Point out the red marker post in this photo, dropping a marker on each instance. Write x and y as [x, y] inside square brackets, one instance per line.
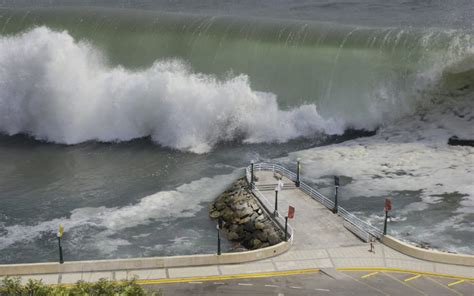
[291, 215]
[388, 207]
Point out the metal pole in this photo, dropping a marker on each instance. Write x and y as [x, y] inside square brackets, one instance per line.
[218, 241]
[286, 228]
[336, 184]
[297, 183]
[251, 174]
[61, 260]
[275, 213]
[335, 201]
[385, 223]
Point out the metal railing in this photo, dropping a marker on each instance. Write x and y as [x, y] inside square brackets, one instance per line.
[268, 206]
[362, 225]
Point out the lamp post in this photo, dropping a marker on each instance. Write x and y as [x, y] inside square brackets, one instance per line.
[275, 212]
[336, 183]
[60, 235]
[251, 173]
[219, 227]
[388, 207]
[298, 167]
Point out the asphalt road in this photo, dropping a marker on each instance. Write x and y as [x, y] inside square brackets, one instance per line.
[347, 283]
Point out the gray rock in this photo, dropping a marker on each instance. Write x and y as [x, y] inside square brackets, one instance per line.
[255, 243]
[244, 212]
[254, 205]
[220, 205]
[244, 220]
[240, 206]
[259, 225]
[261, 235]
[227, 214]
[232, 236]
[273, 238]
[215, 214]
[249, 226]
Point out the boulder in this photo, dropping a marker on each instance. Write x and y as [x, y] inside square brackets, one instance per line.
[232, 236]
[244, 220]
[255, 243]
[259, 225]
[227, 214]
[261, 235]
[244, 212]
[215, 214]
[273, 238]
[240, 206]
[220, 205]
[249, 226]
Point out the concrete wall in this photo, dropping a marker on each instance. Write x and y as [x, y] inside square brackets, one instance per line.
[143, 263]
[429, 255]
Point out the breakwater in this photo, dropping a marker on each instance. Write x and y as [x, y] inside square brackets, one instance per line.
[244, 220]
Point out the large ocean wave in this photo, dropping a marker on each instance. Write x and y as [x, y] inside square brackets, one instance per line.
[56, 89]
[69, 77]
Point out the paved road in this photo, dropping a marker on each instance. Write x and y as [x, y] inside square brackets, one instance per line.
[318, 283]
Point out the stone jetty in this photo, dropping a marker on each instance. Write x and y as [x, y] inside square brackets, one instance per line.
[245, 222]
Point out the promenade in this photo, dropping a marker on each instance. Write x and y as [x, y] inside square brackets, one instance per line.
[321, 242]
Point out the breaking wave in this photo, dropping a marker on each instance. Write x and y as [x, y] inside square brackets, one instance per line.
[59, 90]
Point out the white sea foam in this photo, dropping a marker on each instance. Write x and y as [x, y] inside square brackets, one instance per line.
[185, 201]
[61, 90]
[410, 155]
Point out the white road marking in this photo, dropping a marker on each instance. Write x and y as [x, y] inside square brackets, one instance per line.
[296, 287]
[217, 283]
[325, 290]
[194, 282]
[272, 286]
[240, 284]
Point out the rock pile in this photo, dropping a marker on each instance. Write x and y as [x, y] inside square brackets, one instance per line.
[244, 221]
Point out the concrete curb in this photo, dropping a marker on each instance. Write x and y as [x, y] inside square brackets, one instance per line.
[144, 263]
[429, 255]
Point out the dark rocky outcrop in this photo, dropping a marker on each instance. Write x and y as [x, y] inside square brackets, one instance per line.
[455, 141]
[244, 220]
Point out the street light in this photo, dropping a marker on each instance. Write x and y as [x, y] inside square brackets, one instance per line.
[336, 183]
[387, 208]
[219, 227]
[251, 173]
[298, 167]
[60, 235]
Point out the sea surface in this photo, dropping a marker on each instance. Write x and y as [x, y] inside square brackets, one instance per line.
[122, 120]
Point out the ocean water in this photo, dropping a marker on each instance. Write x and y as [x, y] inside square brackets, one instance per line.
[123, 120]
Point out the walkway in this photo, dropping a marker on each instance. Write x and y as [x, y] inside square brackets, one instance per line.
[321, 240]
